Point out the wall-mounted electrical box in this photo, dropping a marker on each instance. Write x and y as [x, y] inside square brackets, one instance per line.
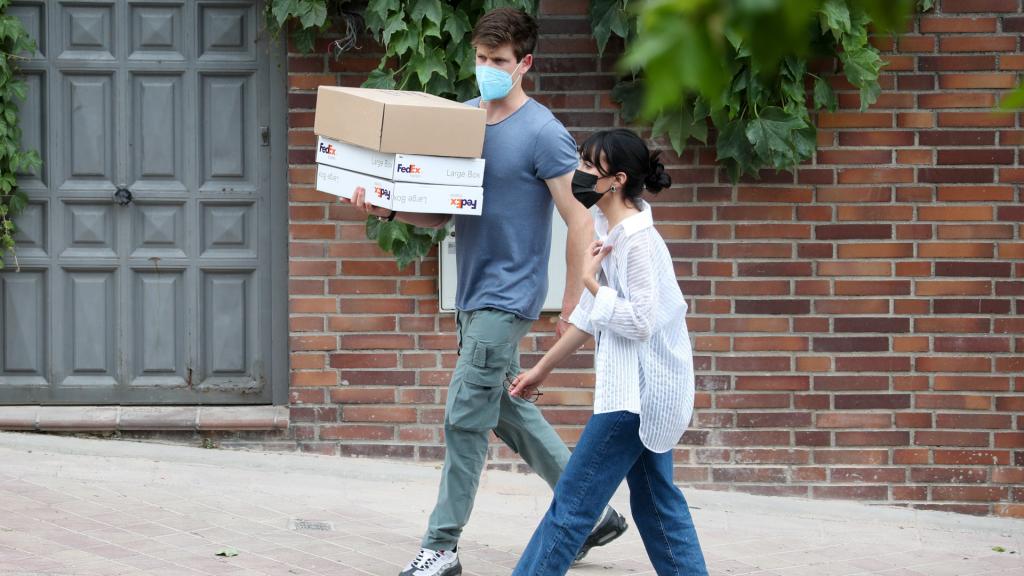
[448, 280]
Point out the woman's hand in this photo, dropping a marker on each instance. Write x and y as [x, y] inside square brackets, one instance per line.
[526, 384]
[596, 254]
[359, 201]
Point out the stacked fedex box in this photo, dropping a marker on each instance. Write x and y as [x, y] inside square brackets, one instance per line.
[410, 151]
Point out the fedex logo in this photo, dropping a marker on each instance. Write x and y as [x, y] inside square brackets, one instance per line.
[410, 169]
[328, 149]
[464, 203]
[382, 192]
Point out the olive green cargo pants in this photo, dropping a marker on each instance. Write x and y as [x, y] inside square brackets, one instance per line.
[477, 404]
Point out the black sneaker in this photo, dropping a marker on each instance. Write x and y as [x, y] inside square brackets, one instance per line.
[434, 563]
[609, 527]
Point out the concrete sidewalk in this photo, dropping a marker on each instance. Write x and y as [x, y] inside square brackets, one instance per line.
[71, 506]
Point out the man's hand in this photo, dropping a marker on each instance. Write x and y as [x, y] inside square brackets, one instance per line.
[358, 200]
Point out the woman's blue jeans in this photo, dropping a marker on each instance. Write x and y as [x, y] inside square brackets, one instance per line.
[608, 451]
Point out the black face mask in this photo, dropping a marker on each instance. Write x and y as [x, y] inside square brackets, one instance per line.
[584, 188]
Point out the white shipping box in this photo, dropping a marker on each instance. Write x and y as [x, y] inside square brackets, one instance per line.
[401, 196]
[379, 191]
[401, 167]
[435, 199]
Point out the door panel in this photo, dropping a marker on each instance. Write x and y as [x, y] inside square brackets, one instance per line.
[145, 252]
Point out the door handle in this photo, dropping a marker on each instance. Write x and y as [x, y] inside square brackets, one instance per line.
[123, 197]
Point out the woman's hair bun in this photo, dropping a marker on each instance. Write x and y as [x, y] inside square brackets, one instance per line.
[657, 179]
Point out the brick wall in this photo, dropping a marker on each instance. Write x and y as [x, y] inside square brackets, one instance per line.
[857, 325]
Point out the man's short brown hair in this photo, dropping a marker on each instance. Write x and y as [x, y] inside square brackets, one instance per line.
[503, 26]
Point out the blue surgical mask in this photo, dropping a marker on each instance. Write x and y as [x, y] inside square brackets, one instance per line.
[494, 83]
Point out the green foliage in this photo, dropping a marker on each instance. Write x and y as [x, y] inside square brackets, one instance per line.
[746, 64]
[15, 43]
[743, 64]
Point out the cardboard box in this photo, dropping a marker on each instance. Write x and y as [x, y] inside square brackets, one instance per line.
[400, 122]
[401, 167]
[379, 191]
[434, 199]
[401, 196]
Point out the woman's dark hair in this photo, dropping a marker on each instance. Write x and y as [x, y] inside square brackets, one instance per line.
[621, 150]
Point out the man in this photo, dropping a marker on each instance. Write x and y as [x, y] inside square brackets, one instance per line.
[502, 271]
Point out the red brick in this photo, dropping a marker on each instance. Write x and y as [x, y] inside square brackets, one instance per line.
[975, 119]
[851, 382]
[855, 120]
[969, 6]
[850, 420]
[744, 401]
[865, 457]
[969, 493]
[945, 439]
[949, 475]
[972, 457]
[388, 414]
[952, 287]
[978, 43]
[939, 63]
[872, 288]
[872, 438]
[972, 383]
[772, 382]
[973, 421]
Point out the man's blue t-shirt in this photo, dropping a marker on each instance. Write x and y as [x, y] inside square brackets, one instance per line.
[502, 255]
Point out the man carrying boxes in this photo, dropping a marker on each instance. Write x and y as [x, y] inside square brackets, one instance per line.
[504, 238]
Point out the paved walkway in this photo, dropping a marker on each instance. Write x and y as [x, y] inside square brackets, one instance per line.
[71, 506]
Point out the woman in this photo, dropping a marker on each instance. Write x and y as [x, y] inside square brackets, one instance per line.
[643, 398]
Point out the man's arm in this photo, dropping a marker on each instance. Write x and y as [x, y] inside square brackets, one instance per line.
[422, 220]
[581, 233]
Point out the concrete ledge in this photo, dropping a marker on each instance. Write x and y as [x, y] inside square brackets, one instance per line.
[101, 418]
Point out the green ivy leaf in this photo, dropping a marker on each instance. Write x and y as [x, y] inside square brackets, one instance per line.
[824, 96]
[630, 96]
[381, 79]
[391, 232]
[406, 41]
[431, 9]
[18, 202]
[773, 138]
[394, 24]
[304, 39]
[607, 17]
[432, 28]
[427, 63]
[861, 67]
[835, 18]
[679, 126]
[315, 14]
[734, 148]
[377, 12]
[1013, 100]
[457, 25]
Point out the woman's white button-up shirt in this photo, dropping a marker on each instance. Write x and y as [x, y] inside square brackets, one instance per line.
[644, 361]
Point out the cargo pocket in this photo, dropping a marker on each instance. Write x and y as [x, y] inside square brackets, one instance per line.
[474, 402]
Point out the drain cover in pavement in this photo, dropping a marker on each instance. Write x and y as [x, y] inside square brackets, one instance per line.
[299, 524]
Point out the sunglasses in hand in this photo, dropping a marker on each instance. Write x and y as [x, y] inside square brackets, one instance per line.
[532, 397]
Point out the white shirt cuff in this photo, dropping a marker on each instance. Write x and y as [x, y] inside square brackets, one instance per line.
[580, 316]
[604, 306]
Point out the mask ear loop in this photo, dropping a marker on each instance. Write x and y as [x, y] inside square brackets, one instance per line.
[516, 69]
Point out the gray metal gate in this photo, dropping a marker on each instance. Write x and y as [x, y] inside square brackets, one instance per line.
[149, 251]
